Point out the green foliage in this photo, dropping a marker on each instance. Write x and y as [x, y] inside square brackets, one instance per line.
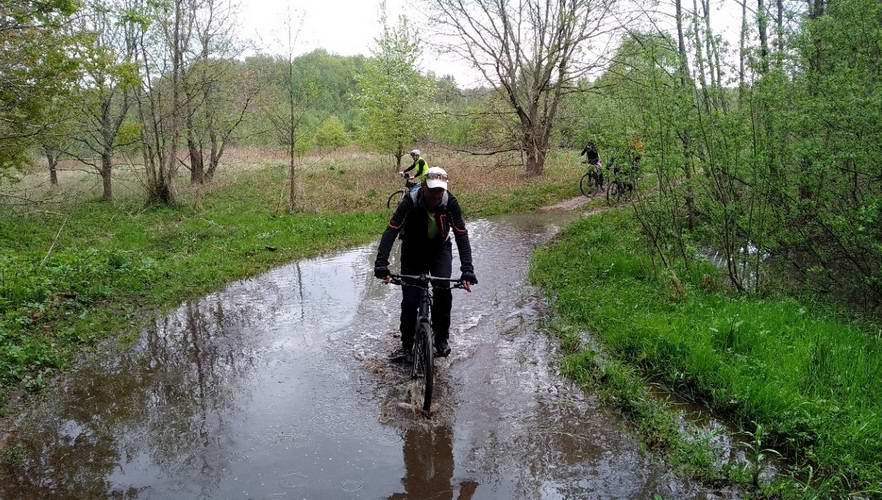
[393, 95]
[804, 374]
[334, 95]
[471, 118]
[331, 133]
[782, 163]
[35, 68]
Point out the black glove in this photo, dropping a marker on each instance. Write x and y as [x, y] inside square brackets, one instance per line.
[469, 276]
[381, 272]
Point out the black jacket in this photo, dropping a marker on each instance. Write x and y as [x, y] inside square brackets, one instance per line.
[411, 219]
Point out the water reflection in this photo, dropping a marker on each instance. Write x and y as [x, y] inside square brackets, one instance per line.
[165, 399]
[428, 464]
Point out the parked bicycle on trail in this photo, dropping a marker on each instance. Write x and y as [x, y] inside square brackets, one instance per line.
[624, 181]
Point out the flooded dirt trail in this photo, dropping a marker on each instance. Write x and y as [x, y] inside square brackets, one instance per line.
[278, 387]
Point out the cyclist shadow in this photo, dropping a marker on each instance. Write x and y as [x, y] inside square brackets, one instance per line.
[428, 462]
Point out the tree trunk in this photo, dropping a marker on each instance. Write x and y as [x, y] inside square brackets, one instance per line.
[197, 174]
[699, 58]
[780, 23]
[685, 140]
[398, 154]
[216, 152]
[52, 160]
[53, 174]
[742, 54]
[535, 153]
[292, 193]
[164, 191]
[212, 168]
[762, 23]
[106, 170]
[681, 45]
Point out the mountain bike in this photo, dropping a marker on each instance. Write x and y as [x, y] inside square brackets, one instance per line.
[592, 181]
[622, 185]
[397, 196]
[423, 366]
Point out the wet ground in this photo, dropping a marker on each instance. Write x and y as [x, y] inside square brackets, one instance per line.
[278, 387]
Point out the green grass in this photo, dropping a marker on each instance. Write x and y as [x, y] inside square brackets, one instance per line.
[524, 199]
[807, 376]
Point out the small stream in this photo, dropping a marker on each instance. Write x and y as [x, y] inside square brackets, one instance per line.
[278, 387]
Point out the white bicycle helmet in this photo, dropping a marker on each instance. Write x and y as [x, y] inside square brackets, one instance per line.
[415, 152]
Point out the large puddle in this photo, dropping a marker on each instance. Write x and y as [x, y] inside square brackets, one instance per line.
[278, 387]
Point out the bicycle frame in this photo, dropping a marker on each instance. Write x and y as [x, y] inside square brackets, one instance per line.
[409, 183]
[422, 282]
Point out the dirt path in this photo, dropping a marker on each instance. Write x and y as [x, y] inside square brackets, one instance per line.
[278, 387]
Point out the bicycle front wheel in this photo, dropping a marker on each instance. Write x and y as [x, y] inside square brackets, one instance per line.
[394, 198]
[586, 185]
[612, 193]
[428, 361]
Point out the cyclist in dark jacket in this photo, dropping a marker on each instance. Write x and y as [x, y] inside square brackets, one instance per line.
[590, 153]
[425, 218]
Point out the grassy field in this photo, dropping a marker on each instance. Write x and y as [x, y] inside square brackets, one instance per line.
[346, 180]
[112, 261]
[799, 373]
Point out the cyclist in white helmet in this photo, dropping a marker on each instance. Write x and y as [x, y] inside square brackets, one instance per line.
[425, 220]
[419, 166]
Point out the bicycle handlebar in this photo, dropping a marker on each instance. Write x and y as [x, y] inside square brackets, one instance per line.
[423, 280]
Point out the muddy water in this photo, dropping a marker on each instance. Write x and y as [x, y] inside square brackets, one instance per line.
[278, 387]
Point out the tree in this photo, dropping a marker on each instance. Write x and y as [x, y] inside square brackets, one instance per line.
[105, 94]
[163, 44]
[331, 133]
[219, 91]
[57, 137]
[35, 67]
[530, 51]
[394, 96]
[297, 96]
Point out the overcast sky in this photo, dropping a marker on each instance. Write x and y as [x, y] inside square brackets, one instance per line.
[349, 27]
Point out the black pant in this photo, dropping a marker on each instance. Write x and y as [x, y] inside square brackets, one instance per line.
[437, 262]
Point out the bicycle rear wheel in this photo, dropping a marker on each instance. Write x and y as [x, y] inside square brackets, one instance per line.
[396, 196]
[423, 364]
